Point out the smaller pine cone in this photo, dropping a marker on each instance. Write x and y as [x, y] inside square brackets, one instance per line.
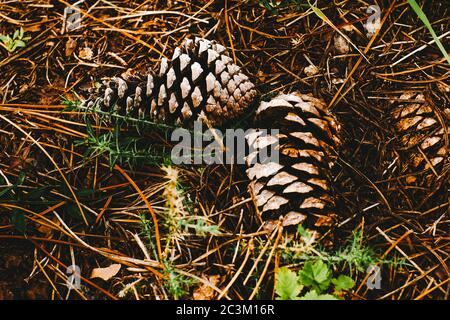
[422, 134]
[200, 81]
[298, 189]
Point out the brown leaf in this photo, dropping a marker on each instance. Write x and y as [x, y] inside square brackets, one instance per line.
[411, 179]
[106, 273]
[71, 44]
[205, 292]
[45, 228]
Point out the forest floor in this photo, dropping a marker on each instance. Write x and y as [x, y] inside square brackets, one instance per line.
[75, 190]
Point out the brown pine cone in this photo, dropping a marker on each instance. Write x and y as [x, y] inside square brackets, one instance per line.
[298, 188]
[423, 136]
[201, 80]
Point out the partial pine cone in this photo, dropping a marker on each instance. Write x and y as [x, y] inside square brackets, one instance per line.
[298, 188]
[201, 80]
[423, 133]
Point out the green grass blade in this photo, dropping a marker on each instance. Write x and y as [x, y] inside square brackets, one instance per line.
[427, 23]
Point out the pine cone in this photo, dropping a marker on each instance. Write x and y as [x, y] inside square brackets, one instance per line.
[422, 137]
[298, 188]
[201, 80]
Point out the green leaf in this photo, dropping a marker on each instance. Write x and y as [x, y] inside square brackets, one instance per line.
[16, 34]
[268, 6]
[301, 231]
[286, 285]
[321, 271]
[313, 295]
[317, 275]
[343, 282]
[19, 44]
[305, 234]
[10, 46]
[19, 221]
[427, 23]
[306, 274]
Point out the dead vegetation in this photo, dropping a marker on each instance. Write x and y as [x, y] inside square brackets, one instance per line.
[77, 190]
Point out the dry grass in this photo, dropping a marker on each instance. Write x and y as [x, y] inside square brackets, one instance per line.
[192, 231]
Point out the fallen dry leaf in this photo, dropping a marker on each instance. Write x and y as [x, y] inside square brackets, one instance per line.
[46, 228]
[106, 273]
[71, 44]
[205, 292]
